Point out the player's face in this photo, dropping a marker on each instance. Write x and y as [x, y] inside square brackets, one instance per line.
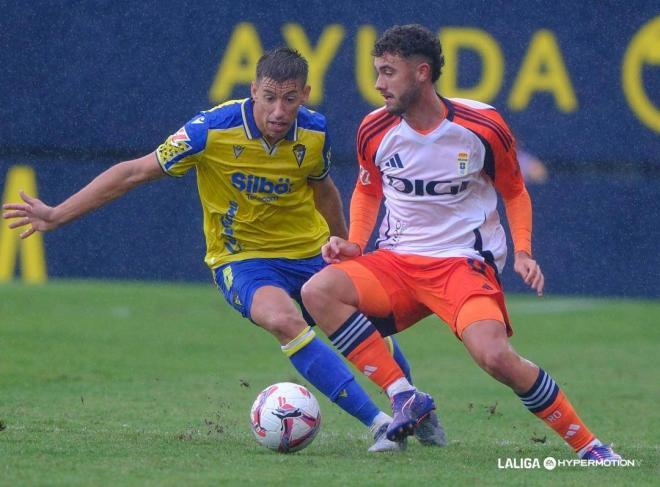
[397, 82]
[276, 105]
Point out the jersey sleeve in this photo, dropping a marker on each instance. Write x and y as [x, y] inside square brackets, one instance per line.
[510, 184]
[364, 214]
[183, 149]
[368, 193]
[323, 166]
[504, 168]
[369, 180]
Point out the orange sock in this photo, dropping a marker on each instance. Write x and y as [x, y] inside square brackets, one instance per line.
[549, 403]
[372, 357]
[359, 341]
[562, 418]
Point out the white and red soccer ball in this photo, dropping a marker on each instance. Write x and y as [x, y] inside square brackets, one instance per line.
[285, 417]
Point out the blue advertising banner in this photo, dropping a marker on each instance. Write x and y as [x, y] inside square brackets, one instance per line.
[592, 236]
[577, 81]
[87, 83]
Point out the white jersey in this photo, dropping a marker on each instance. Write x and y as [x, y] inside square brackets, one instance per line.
[439, 187]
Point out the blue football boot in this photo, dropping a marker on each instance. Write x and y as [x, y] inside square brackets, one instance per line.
[409, 409]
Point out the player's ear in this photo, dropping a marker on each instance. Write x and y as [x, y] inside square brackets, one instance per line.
[423, 72]
[305, 93]
[253, 89]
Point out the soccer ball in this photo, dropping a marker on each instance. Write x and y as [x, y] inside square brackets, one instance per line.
[285, 417]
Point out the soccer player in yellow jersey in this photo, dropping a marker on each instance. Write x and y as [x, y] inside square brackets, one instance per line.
[269, 205]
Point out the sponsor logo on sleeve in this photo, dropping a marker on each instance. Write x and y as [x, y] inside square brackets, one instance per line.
[364, 177]
[180, 138]
[174, 147]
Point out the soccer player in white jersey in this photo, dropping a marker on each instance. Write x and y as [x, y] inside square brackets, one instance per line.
[438, 165]
[269, 204]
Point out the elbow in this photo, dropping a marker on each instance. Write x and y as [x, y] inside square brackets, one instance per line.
[134, 173]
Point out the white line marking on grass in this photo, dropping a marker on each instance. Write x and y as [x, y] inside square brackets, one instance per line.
[121, 312]
[556, 306]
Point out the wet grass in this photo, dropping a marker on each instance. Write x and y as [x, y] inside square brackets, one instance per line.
[151, 384]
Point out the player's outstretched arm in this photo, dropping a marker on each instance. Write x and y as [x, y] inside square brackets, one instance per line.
[328, 202]
[107, 186]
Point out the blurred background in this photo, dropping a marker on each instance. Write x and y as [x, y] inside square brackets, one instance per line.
[86, 84]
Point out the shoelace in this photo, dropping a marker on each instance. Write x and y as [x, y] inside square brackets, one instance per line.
[400, 400]
[602, 452]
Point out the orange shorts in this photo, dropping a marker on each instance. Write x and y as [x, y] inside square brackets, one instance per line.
[401, 289]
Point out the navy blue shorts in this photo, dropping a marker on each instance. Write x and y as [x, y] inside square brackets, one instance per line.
[238, 281]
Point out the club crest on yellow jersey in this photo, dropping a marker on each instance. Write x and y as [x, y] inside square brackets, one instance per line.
[299, 151]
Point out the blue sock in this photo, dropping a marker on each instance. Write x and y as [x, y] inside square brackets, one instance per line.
[326, 371]
[397, 353]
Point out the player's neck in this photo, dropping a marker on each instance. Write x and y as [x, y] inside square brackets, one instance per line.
[426, 113]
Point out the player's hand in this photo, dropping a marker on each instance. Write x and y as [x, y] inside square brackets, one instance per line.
[530, 271]
[34, 212]
[337, 250]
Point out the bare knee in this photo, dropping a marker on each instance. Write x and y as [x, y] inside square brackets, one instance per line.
[283, 325]
[313, 295]
[273, 310]
[330, 297]
[323, 291]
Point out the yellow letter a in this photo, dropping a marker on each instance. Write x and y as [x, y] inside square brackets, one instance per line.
[33, 261]
[543, 69]
[238, 63]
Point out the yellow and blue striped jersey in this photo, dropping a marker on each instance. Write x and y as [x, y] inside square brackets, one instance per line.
[256, 198]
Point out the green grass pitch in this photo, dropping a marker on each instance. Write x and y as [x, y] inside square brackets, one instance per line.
[114, 383]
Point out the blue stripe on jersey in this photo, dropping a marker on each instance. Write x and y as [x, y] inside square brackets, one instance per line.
[310, 120]
[486, 254]
[450, 108]
[489, 158]
[225, 116]
[386, 234]
[251, 129]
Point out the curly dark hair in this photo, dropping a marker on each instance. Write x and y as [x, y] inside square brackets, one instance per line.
[282, 64]
[412, 40]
